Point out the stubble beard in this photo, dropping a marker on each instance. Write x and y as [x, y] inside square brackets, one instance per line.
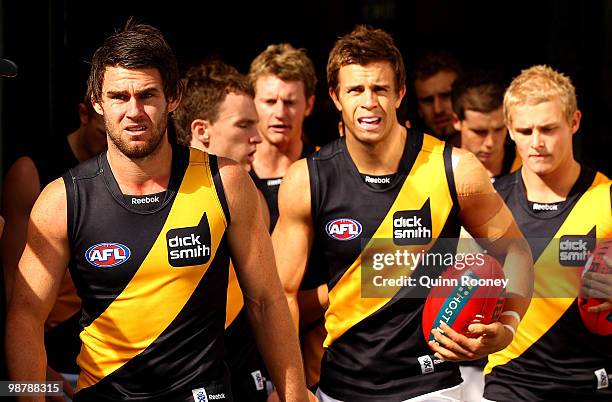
[139, 151]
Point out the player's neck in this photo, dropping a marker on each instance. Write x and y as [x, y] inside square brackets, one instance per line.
[552, 187]
[494, 168]
[147, 175]
[379, 158]
[273, 160]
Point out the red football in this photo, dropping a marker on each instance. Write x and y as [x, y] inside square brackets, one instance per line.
[467, 292]
[598, 323]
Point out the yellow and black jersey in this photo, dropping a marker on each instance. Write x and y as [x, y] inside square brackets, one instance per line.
[553, 356]
[269, 187]
[375, 349]
[152, 282]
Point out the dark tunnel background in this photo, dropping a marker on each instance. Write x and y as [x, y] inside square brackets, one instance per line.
[52, 42]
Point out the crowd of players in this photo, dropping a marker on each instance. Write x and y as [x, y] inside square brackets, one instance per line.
[153, 271]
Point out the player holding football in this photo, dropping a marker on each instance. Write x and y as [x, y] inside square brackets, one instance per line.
[559, 205]
[374, 350]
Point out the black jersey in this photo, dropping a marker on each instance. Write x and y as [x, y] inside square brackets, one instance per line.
[152, 283]
[553, 356]
[375, 349]
[52, 163]
[269, 187]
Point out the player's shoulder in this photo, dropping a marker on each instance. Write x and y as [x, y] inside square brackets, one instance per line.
[87, 169]
[329, 150]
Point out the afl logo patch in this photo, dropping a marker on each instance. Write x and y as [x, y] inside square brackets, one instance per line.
[343, 229]
[106, 255]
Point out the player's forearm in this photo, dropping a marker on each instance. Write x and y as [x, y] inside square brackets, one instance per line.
[518, 268]
[278, 344]
[294, 309]
[25, 351]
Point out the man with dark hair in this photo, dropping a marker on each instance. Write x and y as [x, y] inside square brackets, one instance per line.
[434, 74]
[342, 202]
[477, 99]
[147, 230]
[217, 115]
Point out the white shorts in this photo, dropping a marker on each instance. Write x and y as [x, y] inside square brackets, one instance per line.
[452, 394]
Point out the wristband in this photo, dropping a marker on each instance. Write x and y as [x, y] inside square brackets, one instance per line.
[512, 313]
[511, 328]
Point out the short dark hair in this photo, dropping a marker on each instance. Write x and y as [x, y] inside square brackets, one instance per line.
[478, 90]
[135, 46]
[206, 87]
[433, 62]
[365, 45]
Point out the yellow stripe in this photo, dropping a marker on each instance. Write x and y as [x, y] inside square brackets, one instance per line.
[157, 292]
[517, 163]
[592, 209]
[235, 301]
[427, 180]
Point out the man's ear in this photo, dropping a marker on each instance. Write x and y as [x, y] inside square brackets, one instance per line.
[97, 107]
[200, 133]
[575, 122]
[401, 94]
[309, 105]
[332, 94]
[456, 122]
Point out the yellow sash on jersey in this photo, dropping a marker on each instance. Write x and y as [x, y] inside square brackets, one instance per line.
[157, 292]
[516, 163]
[592, 209]
[426, 180]
[235, 300]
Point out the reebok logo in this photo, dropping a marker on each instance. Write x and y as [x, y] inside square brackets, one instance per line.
[377, 180]
[274, 182]
[545, 207]
[413, 226]
[145, 200]
[189, 246]
[574, 251]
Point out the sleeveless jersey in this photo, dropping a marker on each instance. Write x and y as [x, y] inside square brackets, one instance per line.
[553, 356]
[269, 187]
[152, 283]
[375, 349]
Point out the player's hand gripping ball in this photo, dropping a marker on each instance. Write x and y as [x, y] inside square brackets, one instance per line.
[473, 294]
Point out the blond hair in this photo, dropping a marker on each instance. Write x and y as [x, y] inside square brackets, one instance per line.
[539, 84]
[287, 63]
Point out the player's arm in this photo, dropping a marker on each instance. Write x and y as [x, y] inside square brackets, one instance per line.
[293, 234]
[265, 211]
[20, 190]
[37, 280]
[253, 258]
[487, 218]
